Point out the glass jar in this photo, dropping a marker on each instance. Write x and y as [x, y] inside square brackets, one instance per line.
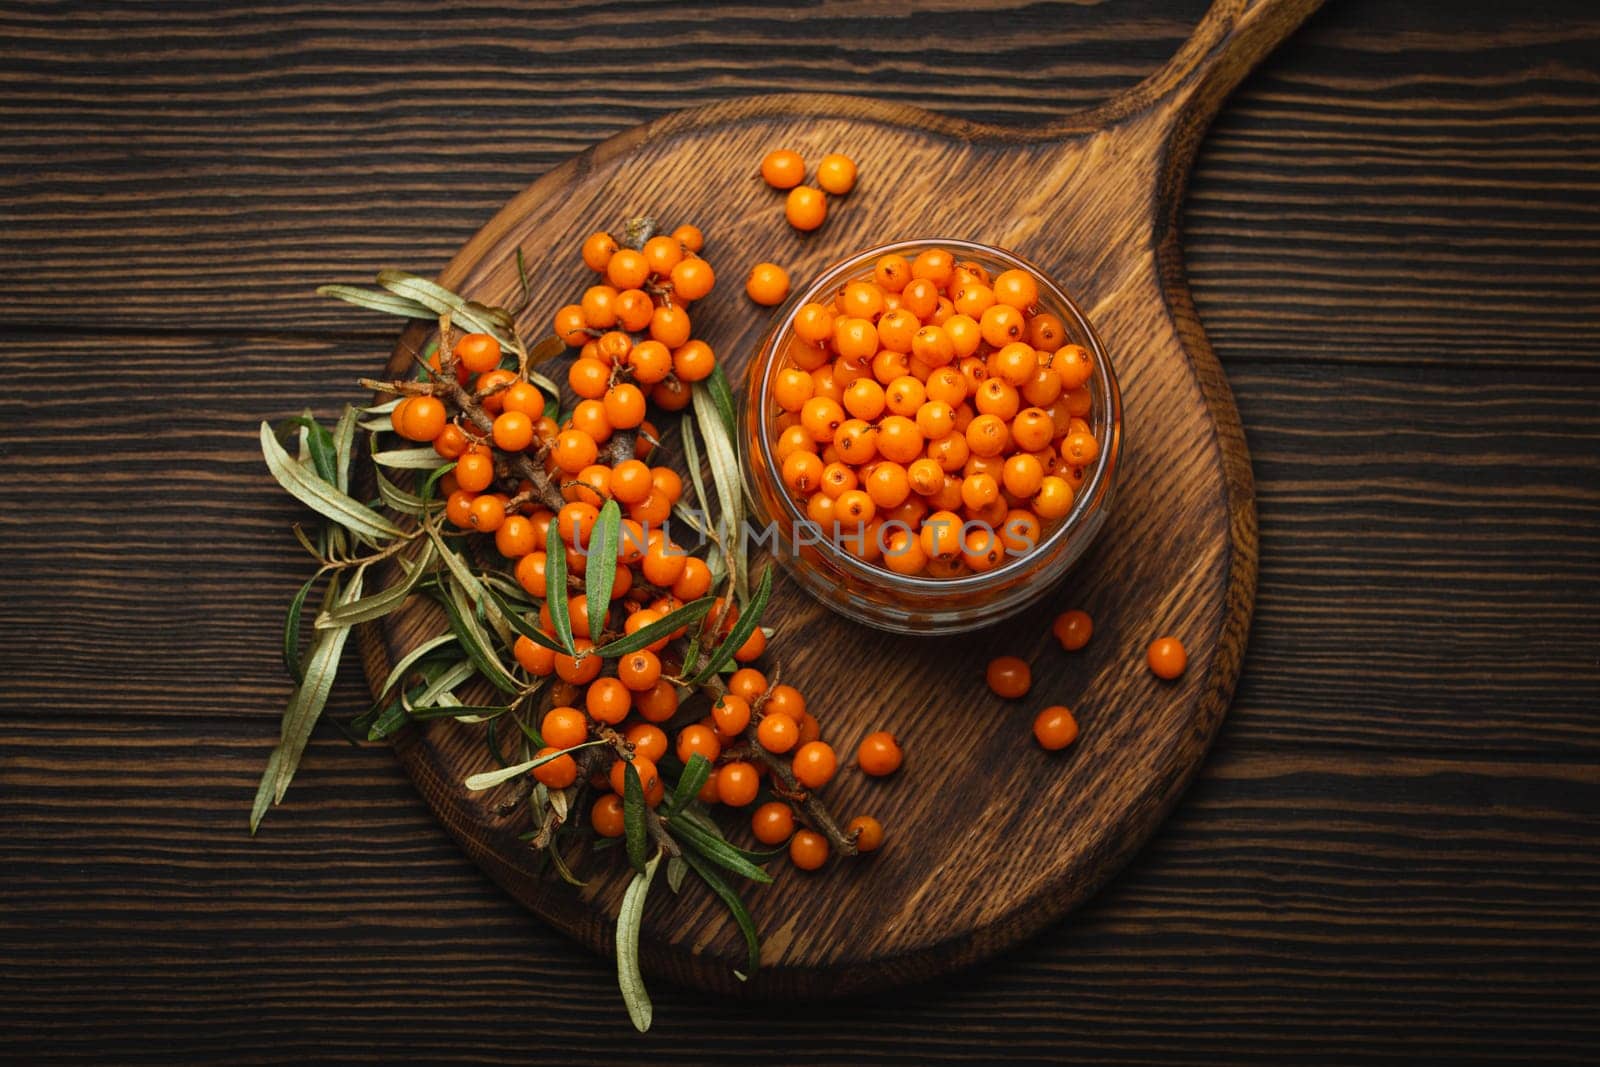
[868, 592]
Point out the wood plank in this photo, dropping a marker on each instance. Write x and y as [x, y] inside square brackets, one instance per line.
[1313, 903]
[1349, 204]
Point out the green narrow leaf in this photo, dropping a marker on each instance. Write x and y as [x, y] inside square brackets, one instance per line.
[320, 496]
[749, 618]
[522, 276]
[518, 624]
[380, 603]
[717, 851]
[676, 869]
[319, 445]
[344, 447]
[600, 565]
[717, 386]
[662, 627]
[555, 583]
[629, 920]
[475, 640]
[476, 595]
[377, 300]
[735, 906]
[690, 782]
[397, 498]
[723, 458]
[291, 631]
[391, 719]
[446, 680]
[408, 459]
[469, 315]
[311, 696]
[264, 791]
[489, 779]
[634, 813]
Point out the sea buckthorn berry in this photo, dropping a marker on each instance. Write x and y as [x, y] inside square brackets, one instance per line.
[1073, 629]
[606, 816]
[802, 472]
[451, 442]
[693, 279]
[805, 208]
[920, 297]
[935, 265]
[814, 764]
[1009, 677]
[478, 352]
[648, 740]
[1016, 363]
[778, 733]
[1080, 449]
[1043, 389]
[747, 682]
[971, 298]
[573, 451]
[1055, 728]
[658, 703]
[854, 507]
[559, 772]
[941, 535]
[821, 417]
[862, 300]
[514, 538]
[698, 740]
[564, 727]
[1016, 288]
[772, 823]
[639, 670]
[932, 345]
[1022, 475]
[891, 272]
[731, 713]
[513, 431]
[987, 435]
[1054, 498]
[487, 514]
[628, 269]
[737, 783]
[630, 481]
[423, 419]
[1002, 324]
[838, 478]
[575, 522]
[693, 361]
[808, 850]
[535, 659]
[599, 304]
[783, 168]
[695, 581]
[1074, 366]
[946, 385]
[1020, 532]
[670, 326]
[981, 548]
[530, 573]
[689, 237]
[752, 648]
[897, 332]
[1031, 429]
[662, 253]
[926, 476]
[864, 399]
[671, 394]
[903, 553]
[979, 491]
[887, 485]
[768, 284]
[1167, 657]
[598, 248]
[624, 406]
[836, 173]
[589, 416]
[997, 397]
[813, 323]
[868, 833]
[898, 439]
[879, 754]
[649, 778]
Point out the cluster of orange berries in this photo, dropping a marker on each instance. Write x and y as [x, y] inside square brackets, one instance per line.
[807, 207]
[1055, 727]
[931, 393]
[633, 327]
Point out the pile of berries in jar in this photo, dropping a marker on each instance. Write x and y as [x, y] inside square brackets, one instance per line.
[935, 418]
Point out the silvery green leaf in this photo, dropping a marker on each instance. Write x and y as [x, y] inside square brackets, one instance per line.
[724, 461]
[634, 813]
[466, 314]
[676, 869]
[555, 581]
[409, 459]
[749, 617]
[320, 496]
[474, 590]
[600, 567]
[439, 690]
[629, 921]
[735, 906]
[380, 603]
[490, 779]
[475, 639]
[344, 446]
[377, 300]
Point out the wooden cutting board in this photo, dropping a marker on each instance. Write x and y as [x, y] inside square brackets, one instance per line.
[989, 838]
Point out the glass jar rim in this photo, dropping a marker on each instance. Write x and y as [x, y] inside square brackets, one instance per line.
[1107, 409]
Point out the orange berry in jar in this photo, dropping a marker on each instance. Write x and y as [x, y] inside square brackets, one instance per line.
[935, 265]
[805, 208]
[1032, 429]
[836, 173]
[1167, 658]
[1020, 532]
[1009, 677]
[737, 783]
[987, 435]
[1055, 728]
[941, 535]
[868, 833]
[879, 754]
[1022, 475]
[903, 553]
[772, 823]
[1002, 324]
[1080, 449]
[887, 485]
[1015, 363]
[814, 764]
[778, 733]
[1074, 365]
[981, 547]
[997, 397]
[1016, 288]
[767, 285]
[899, 439]
[1043, 389]
[783, 169]
[1054, 498]
[821, 416]
[862, 300]
[808, 850]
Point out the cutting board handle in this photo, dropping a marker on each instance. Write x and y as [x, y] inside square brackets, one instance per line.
[1186, 92]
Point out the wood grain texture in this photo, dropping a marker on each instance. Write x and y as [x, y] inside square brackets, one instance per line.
[1391, 241]
[1093, 200]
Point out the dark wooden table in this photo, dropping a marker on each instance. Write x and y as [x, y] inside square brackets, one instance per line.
[1394, 240]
